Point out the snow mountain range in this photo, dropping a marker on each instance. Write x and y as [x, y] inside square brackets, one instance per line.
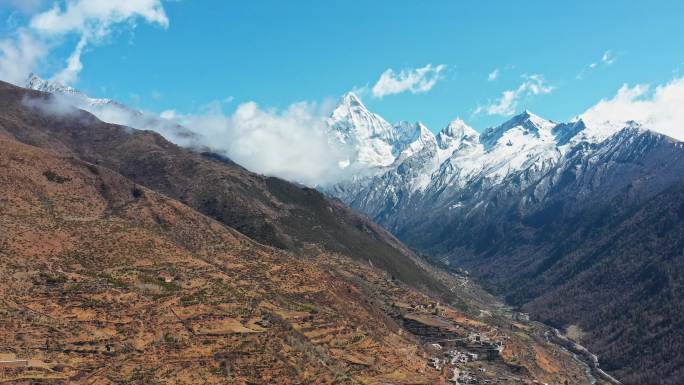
[405, 169]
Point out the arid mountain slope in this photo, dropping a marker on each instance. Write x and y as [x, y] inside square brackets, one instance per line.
[108, 282]
[85, 260]
[269, 210]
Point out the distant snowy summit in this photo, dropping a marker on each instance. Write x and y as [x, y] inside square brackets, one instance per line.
[111, 111]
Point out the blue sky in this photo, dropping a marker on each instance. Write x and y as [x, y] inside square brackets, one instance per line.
[277, 52]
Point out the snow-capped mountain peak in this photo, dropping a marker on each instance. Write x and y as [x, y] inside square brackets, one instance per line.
[348, 106]
[598, 131]
[455, 136]
[413, 138]
[352, 120]
[368, 136]
[407, 132]
[527, 127]
[37, 83]
[456, 132]
[352, 100]
[78, 97]
[570, 132]
[458, 128]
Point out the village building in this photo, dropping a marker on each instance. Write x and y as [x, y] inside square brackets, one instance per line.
[166, 277]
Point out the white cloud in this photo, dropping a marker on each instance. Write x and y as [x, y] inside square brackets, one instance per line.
[416, 81]
[18, 55]
[534, 84]
[660, 110]
[505, 105]
[361, 90]
[57, 105]
[74, 66]
[291, 143]
[493, 75]
[91, 20]
[168, 114]
[95, 17]
[608, 58]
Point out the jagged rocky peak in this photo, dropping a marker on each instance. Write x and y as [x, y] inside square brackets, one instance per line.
[353, 121]
[423, 129]
[425, 136]
[349, 104]
[571, 131]
[597, 131]
[35, 82]
[633, 131]
[458, 128]
[411, 131]
[405, 126]
[524, 124]
[411, 139]
[456, 133]
[352, 100]
[530, 121]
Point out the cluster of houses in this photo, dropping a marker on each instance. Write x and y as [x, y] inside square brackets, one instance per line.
[483, 340]
[454, 357]
[457, 357]
[476, 346]
[461, 377]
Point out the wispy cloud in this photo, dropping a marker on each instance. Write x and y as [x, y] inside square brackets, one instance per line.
[361, 91]
[660, 110]
[416, 80]
[19, 55]
[493, 75]
[92, 21]
[507, 103]
[607, 59]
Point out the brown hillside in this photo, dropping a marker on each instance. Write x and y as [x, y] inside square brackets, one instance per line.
[270, 210]
[105, 281]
